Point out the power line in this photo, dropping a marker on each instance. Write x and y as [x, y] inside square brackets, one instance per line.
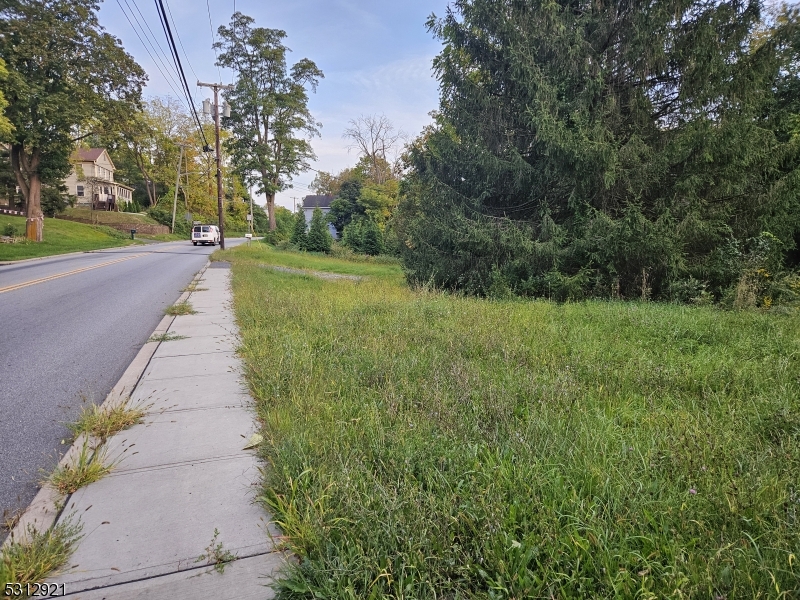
[145, 24]
[213, 39]
[165, 24]
[233, 75]
[180, 41]
[168, 78]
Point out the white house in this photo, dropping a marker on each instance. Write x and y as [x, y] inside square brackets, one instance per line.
[324, 204]
[92, 179]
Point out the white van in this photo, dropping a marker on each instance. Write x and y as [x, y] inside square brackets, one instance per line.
[205, 234]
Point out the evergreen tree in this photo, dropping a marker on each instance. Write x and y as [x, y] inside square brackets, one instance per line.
[373, 238]
[588, 148]
[319, 238]
[299, 238]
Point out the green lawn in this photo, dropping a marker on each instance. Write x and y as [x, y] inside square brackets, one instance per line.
[106, 217]
[421, 445]
[60, 237]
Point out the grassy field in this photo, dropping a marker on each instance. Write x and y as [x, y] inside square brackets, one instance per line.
[106, 217]
[422, 445]
[60, 237]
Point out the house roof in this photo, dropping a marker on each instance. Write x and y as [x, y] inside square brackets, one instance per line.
[89, 154]
[321, 201]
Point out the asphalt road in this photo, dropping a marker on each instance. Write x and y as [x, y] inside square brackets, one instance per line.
[67, 340]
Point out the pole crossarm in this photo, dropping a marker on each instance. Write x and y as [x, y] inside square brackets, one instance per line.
[214, 86]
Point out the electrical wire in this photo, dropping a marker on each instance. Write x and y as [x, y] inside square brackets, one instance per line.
[154, 38]
[213, 39]
[168, 78]
[162, 13]
[180, 41]
[233, 22]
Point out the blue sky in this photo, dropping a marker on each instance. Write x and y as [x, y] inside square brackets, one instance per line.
[376, 57]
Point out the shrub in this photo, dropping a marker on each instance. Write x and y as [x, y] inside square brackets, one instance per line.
[164, 217]
[363, 236]
[55, 199]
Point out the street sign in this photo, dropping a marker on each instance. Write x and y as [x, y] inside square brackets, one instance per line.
[249, 217]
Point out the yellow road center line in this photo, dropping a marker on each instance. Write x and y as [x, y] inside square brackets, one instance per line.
[17, 286]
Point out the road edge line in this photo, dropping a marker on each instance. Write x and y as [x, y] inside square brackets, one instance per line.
[6, 263]
[48, 504]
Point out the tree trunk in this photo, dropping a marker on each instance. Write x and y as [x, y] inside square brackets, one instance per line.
[26, 170]
[271, 211]
[35, 223]
[270, 200]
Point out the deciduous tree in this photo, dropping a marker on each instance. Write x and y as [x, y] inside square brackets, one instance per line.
[270, 121]
[64, 72]
[377, 140]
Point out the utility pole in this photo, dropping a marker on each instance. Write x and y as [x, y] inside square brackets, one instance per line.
[217, 87]
[252, 218]
[177, 184]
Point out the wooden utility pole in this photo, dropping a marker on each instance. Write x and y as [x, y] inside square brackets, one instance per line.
[177, 185]
[217, 87]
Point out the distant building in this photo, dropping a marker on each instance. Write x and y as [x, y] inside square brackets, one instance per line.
[93, 173]
[324, 204]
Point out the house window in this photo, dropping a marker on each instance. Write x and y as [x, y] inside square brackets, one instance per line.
[79, 192]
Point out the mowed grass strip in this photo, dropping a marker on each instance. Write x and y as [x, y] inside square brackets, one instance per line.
[428, 446]
[59, 237]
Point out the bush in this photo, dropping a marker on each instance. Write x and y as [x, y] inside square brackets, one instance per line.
[9, 230]
[164, 217]
[55, 199]
[130, 207]
[363, 236]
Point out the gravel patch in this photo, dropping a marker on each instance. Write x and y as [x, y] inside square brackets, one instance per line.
[320, 274]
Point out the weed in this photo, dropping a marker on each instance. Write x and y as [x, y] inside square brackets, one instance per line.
[167, 336]
[192, 287]
[429, 445]
[103, 422]
[10, 519]
[88, 467]
[180, 308]
[216, 555]
[40, 556]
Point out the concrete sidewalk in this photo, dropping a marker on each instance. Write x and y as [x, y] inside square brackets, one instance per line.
[182, 476]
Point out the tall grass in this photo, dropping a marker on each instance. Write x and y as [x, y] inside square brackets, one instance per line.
[427, 446]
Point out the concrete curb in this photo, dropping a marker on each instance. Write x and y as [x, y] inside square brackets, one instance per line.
[46, 506]
[5, 263]
[27, 260]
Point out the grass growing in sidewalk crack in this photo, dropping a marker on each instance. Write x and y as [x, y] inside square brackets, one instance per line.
[104, 421]
[216, 555]
[180, 308]
[192, 287]
[10, 519]
[166, 337]
[88, 467]
[42, 554]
